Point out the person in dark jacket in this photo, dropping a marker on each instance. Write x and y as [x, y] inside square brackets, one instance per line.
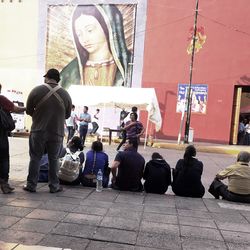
[187, 175]
[157, 175]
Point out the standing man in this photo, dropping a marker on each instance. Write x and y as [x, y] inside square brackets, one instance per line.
[7, 106]
[95, 122]
[130, 166]
[84, 119]
[71, 123]
[48, 105]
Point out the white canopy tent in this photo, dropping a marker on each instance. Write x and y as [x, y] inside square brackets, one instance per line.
[143, 98]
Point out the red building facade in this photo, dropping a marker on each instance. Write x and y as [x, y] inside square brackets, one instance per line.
[222, 63]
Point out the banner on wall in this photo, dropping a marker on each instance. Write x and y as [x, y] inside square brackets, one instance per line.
[91, 44]
[199, 94]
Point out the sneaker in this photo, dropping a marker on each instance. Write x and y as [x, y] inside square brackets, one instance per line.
[5, 188]
[60, 189]
[29, 189]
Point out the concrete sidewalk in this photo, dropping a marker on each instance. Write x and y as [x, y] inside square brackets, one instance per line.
[80, 218]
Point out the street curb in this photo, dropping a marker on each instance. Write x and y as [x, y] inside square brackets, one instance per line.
[200, 148]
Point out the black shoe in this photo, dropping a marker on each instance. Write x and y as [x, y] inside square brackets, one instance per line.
[213, 192]
[60, 189]
[5, 188]
[29, 189]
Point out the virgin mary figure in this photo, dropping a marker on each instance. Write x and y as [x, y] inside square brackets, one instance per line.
[103, 58]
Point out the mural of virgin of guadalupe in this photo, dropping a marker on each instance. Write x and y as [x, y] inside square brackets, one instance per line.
[102, 55]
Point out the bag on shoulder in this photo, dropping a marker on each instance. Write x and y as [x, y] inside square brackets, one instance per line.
[69, 169]
[6, 121]
[89, 180]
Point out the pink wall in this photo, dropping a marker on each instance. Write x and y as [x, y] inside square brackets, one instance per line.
[221, 63]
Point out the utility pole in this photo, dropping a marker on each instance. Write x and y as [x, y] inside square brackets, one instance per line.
[188, 101]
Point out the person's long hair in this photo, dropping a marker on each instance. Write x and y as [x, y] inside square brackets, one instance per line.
[92, 11]
[189, 154]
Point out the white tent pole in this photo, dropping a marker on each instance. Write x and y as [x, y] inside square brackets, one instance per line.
[146, 133]
[103, 113]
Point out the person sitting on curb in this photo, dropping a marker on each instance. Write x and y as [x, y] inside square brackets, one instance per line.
[187, 175]
[157, 175]
[130, 166]
[238, 189]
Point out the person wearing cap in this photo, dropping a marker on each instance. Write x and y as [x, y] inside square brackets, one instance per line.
[7, 106]
[48, 112]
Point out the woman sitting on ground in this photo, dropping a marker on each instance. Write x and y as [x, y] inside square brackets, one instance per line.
[157, 175]
[75, 147]
[187, 175]
[95, 159]
[238, 175]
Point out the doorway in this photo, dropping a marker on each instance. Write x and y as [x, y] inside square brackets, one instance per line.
[241, 110]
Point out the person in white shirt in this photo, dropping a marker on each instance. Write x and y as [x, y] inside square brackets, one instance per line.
[95, 122]
[71, 124]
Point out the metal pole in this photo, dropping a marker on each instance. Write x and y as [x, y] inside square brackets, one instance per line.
[187, 126]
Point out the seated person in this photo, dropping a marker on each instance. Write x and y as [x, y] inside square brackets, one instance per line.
[238, 175]
[74, 145]
[95, 159]
[187, 175]
[130, 166]
[157, 175]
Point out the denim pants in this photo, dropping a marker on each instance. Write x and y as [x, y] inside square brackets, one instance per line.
[71, 132]
[83, 132]
[38, 141]
[95, 127]
[4, 156]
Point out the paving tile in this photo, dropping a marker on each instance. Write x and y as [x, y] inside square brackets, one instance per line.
[90, 210]
[200, 232]
[52, 205]
[94, 203]
[97, 245]
[161, 218]
[160, 228]
[190, 203]
[128, 206]
[145, 248]
[4, 200]
[15, 211]
[190, 221]
[130, 198]
[160, 210]
[25, 247]
[160, 200]
[124, 213]
[162, 241]
[233, 246]
[115, 235]
[33, 225]
[121, 223]
[86, 219]
[105, 195]
[7, 246]
[77, 230]
[192, 213]
[62, 241]
[236, 237]
[194, 244]
[22, 237]
[25, 203]
[233, 218]
[238, 227]
[43, 214]
[8, 221]
[67, 200]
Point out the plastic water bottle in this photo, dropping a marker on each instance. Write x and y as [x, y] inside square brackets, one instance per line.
[99, 181]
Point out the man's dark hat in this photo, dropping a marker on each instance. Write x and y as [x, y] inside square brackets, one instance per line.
[53, 74]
